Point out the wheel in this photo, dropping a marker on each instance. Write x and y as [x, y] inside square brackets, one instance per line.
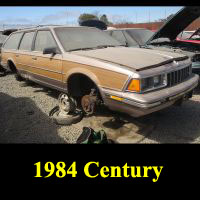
[67, 119]
[67, 104]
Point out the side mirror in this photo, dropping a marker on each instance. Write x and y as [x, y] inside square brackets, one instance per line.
[51, 50]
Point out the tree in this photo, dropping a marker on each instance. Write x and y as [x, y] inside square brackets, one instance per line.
[86, 16]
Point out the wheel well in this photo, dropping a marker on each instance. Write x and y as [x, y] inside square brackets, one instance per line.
[80, 85]
[12, 66]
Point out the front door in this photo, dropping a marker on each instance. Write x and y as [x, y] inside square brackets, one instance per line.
[46, 68]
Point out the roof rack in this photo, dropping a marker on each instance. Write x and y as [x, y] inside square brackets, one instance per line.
[36, 26]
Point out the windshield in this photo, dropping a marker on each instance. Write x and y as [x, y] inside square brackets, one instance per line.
[84, 38]
[140, 35]
[195, 35]
[184, 35]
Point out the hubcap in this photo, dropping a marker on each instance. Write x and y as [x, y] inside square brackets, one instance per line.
[64, 102]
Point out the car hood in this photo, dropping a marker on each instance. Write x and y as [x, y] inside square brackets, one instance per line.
[177, 23]
[134, 58]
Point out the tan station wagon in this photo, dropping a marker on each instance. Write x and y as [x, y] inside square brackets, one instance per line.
[86, 62]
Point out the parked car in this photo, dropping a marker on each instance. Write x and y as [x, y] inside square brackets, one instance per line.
[165, 38]
[2, 39]
[184, 35]
[94, 23]
[192, 38]
[91, 66]
[131, 36]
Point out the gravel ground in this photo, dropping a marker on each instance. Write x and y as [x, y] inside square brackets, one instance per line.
[24, 109]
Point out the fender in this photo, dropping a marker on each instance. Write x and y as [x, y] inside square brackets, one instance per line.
[85, 72]
[88, 74]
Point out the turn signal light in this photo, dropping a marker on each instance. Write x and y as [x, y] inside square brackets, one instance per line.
[134, 85]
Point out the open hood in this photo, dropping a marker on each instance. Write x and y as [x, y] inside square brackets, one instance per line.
[177, 23]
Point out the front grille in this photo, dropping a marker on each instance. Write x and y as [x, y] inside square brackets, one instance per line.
[178, 76]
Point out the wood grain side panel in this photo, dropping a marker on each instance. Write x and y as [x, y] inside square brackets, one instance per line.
[106, 78]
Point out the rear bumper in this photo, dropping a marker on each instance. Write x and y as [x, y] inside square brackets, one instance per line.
[142, 104]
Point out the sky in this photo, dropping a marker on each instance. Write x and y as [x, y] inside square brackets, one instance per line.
[69, 15]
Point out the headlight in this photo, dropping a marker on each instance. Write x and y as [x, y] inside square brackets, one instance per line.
[147, 84]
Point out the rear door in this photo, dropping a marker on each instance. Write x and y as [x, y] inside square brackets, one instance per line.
[9, 49]
[24, 53]
[47, 68]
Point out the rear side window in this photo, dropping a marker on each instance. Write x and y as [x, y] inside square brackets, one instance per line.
[27, 40]
[13, 41]
[44, 39]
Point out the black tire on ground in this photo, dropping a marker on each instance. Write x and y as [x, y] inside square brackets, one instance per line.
[68, 120]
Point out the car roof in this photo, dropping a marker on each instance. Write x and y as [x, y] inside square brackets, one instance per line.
[51, 27]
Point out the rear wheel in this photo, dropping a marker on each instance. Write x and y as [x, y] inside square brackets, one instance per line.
[18, 77]
[14, 70]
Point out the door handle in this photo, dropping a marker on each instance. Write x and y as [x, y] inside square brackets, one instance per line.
[34, 58]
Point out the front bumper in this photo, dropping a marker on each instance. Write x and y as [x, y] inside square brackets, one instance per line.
[142, 104]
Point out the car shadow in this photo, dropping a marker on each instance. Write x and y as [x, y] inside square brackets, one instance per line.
[176, 124]
[171, 125]
[39, 88]
[21, 121]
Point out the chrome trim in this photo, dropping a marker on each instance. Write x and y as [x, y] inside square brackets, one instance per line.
[41, 75]
[48, 84]
[40, 68]
[140, 105]
[151, 105]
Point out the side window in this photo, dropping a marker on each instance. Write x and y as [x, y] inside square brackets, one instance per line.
[119, 36]
[27, 40]
[13, 41]
[44, 39]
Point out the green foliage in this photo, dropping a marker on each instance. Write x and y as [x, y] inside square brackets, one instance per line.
[104, 19]
[86, 16]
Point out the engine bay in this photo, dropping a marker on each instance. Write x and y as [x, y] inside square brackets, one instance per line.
[190, 49]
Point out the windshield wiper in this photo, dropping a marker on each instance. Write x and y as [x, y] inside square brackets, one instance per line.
[86, 48]
[104, 46]
[97, 47]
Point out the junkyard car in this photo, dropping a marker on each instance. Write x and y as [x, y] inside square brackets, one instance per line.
[2, 39]
[165, 38]
[91, 66]
[131, 36]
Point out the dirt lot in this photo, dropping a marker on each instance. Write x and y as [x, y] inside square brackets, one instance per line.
[24, 109]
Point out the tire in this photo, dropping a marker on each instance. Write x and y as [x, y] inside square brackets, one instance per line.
[68, 120]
